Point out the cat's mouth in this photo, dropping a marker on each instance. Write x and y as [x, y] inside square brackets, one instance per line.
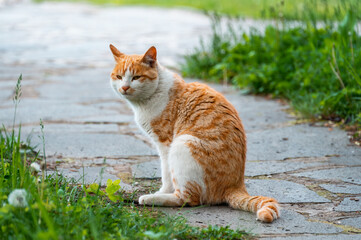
[124, 92]
[127, 93]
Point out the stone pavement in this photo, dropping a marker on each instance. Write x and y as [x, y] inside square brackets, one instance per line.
[62, 51]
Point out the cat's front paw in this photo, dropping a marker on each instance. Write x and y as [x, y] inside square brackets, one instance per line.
[146, 199]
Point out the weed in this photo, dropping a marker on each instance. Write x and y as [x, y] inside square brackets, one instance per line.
[317, 68]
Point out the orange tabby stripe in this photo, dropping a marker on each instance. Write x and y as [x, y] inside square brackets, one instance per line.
[267, 208]
[192, 194]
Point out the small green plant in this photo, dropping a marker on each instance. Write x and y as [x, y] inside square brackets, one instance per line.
[95, 188]
[111, 190]
[317, 68]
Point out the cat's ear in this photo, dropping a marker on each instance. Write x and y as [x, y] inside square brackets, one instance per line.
[150, 57]
[117, 55]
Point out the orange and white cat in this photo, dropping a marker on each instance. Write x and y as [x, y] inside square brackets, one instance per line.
[198, 134]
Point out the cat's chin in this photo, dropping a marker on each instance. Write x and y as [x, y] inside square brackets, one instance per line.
[127, 96]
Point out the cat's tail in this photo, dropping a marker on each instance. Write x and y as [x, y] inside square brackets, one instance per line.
[267, 208]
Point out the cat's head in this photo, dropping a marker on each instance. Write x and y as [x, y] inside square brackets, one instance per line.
[135, 77]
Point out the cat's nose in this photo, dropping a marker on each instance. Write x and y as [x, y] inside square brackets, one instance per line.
[125, 88]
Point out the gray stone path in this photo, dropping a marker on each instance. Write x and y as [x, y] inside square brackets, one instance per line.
[62, 51]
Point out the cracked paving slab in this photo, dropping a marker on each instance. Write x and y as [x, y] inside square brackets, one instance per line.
[351, 159]
[349, 204]
[353, 222]
[283, 191]
[259, 168]
[342, 188]
[347, 174]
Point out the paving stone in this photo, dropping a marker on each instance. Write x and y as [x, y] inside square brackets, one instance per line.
[347, 174]
[290, 222]
[32, 110]
[116, 105]
[256, 168]
[350, 204]
[89, 92]
[352, 158]
[342, 188]
[99, 76]
[5, 93]
[71, 128]
[353, 222]
[80, 145]
[289, 142]
[147, 170]
[283, 191]
[318, 237]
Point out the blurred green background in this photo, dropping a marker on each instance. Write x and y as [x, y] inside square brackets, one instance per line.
[245, 8]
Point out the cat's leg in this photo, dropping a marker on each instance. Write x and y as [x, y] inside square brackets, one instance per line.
[167, 185]
[161, 199]
[187, 177]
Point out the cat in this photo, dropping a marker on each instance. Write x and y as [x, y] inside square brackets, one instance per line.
[197, 132]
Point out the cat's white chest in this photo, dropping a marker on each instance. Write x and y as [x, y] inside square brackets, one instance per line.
[144, 115]
[144, 119]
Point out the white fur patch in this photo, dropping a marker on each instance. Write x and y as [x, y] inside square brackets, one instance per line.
[185, 168]
[167, 199]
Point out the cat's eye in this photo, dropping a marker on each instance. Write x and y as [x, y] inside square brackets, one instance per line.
[135, 77]
[119, 77]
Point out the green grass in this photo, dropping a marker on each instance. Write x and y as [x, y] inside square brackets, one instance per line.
[318, 69]
[246, 8]
[59, 208]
